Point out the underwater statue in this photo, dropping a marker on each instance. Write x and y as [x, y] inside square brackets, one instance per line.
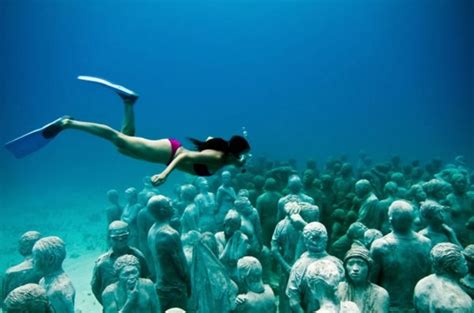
[205, 203]
[322, 278]
[130, 294]
[267, 207]
[401, 258]
[130, 213]
[435, 215]
[467, 282]
[225, 197]
[315, 239]
[29, 298]
[441, 292]
[211, 155]
[103, 273]
[357, 288]
[369, 213]
[295, 187]
[24, 272]
[191, 215]
[173, 283]
[354, 235]
[256, 296]
[48, 256]
[113, 212]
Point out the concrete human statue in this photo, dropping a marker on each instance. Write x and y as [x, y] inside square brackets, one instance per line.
[48, 256]
[357, 288]
[144, 223]
[399, 179]
[315, 239]
[130, 294]
[28, 298]
[251, 225]
[190, 217]
[461, 203]
[115, 210]
[390, 190]
[322, 278]
[368, 213]
[130, 213]
[173, 284]
[103, 272]
[355, 233]
[286, 237]
[370, 236]
[435, 215]
[205, 202]
[24, 272]
[295, 188]
[401, 258]
[225, 196]
[437, 190]
[344, 184]
[256, 297]
[467, 282]
[309, 186]
[232, 243]
[441, 292]
[267, 207]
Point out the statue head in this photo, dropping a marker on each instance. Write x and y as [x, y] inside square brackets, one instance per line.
[362, 188]
[49, 254]
[357, 264]
[27, 241]
[243, 206]
[232, 222]
[29, 298]
[308, 177]
[469, 256]
[270, 184]
[315, 237]
[202, 184]
[401, 216]
[459, 183]
[417, 193]
[118, 235]
[294, 184]
[436, 189]
[433, 212]
[259, 182]
[322, 278]
[356, 231]
[160, 208]
[127, 270]
[390, 189]
[226, 178]
[131, 194]
[113, 196]
[398, 178]
[188, 193]
[326, 181]
[370, 236]
[346, 170]
[249, 272]
[448, 259]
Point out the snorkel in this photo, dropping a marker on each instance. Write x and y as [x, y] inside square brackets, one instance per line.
[244, 157]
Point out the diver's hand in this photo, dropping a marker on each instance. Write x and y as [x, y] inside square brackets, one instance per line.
[158, 179]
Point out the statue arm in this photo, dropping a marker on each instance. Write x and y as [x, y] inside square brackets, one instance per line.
[96, 283]
[276, 251]
[376, 254]
[154, 302]
[110, 306]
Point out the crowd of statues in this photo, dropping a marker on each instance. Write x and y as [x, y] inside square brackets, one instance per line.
[387, 237]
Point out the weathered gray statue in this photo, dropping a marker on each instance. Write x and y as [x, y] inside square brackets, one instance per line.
[357, 288]
[29, 298]
[441, 292]
[256, 297]
[225, 197]
[434, 214]
[315, 238]
[369, 213]
[104, 274]
[48, 256]
[172, 276]
[130, 294]
[24, 272]
[467, 282]
[322, 278]
[401, 258]
[295, 187]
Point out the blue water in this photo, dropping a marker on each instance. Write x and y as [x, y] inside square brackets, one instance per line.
[309, 79]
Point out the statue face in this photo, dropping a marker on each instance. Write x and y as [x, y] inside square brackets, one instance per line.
[40, 262]
[226, 178]
[358, 270]
[119, 242]
[460, 184]
[129, 275]
[460, 267]
[230, 227]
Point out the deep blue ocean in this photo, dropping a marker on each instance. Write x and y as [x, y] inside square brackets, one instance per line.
[308, 79]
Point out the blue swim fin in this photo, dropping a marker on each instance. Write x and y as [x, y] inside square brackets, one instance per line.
[125, 93]
[35, 140]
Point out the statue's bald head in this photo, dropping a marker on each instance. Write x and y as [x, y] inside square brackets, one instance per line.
[401, 215]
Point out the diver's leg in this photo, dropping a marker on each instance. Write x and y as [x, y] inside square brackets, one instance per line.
[128, 126]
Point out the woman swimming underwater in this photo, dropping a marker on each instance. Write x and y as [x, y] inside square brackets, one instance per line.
[211, 155]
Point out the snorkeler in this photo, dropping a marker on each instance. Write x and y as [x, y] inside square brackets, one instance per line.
[211, 155]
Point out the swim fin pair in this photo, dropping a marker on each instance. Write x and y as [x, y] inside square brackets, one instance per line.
[38, 138]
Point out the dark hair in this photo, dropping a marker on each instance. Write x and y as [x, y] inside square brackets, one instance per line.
[235, 146]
